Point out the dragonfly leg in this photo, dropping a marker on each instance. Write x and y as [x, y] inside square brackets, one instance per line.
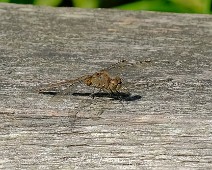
[93, 93]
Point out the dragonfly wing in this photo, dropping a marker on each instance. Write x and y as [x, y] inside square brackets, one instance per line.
[123, 65]
[62, 87]
[119, 65]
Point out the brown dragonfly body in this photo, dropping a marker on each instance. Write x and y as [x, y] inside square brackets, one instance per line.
[101, 80]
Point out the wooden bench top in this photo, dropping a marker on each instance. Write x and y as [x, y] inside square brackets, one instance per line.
[165, 126]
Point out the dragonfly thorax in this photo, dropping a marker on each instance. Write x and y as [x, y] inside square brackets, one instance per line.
[115, 84]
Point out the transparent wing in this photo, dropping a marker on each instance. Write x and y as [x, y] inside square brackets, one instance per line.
[119, 65]
[62, 87]
[123, 66]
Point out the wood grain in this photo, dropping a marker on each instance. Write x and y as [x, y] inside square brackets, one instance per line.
[166, 126]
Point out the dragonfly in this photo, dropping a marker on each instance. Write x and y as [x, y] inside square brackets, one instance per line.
[101, 80]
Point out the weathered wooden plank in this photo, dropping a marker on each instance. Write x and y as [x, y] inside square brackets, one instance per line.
[167, 126]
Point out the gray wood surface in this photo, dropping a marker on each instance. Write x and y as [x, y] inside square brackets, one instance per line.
[166, 126]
